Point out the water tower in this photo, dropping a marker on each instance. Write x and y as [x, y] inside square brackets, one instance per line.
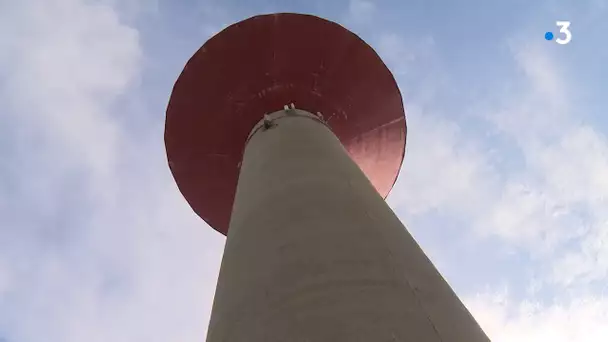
[285, 132]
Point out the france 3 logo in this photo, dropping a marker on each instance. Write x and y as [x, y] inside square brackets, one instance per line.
[564, 30]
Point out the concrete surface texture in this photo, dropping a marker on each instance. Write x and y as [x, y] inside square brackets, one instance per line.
[314, 253]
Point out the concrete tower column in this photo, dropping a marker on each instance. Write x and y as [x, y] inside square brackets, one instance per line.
[313, 252]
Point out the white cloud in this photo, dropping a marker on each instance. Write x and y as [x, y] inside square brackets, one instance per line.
[361, 11]
[560, 207]
[65, 63]
[583, 319]
[403, 54]
[100, 245]
[442, 170]
[551, 206]
[214, 19]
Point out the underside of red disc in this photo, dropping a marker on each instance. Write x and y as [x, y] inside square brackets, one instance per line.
[257, 66]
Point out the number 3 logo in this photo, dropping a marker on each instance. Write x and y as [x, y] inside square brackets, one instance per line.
[564, 29]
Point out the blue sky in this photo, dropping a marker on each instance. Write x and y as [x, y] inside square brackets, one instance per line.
[504, 182]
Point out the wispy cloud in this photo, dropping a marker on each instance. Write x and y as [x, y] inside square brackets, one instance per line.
[403, 53]
[549, 205]
[442, 170]
[361, 11]
[96, 243]
[561, 196]
[505, 319]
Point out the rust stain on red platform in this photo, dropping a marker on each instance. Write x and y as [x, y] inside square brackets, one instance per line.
[257, 66]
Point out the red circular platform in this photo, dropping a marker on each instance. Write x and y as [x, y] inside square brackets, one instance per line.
[257, 66]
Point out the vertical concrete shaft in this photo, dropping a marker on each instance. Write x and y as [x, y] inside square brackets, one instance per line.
[315, 254]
